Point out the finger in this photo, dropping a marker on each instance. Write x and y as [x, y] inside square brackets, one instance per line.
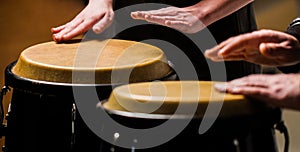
[67, 29]
[236, 44]
[216, 59]
[179, 25]
[214, 56]
[58, 29]
[250, 40]
[138, 15]
[214, 52]
[271, 36]
[221, 87]
[164, 12]
[160, 12]
[252, 91]
[134, 15]
[101, 25]
[156, 19]
[231, 57]
[256, 93]
[237, 57]
[273, 50]
[254, 80]
[85, 26]
[211, 53]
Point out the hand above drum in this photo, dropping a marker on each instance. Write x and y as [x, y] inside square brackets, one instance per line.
[182, 19]
[193, 18]
[265, 47]
[97, 15]
[281, 90]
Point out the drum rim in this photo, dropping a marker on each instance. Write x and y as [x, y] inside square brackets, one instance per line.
[146, 115]
[9, 73]
[55, 88]
[14, 76]
[140, 115]
[266, 118]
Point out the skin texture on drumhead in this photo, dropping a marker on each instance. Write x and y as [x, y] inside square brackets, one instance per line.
[55, 62]
[164, 98]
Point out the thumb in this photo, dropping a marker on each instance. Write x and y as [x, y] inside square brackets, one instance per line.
[271, 50]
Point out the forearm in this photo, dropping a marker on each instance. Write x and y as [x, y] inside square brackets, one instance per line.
[210, 11]
[100, 2]
[91, 1]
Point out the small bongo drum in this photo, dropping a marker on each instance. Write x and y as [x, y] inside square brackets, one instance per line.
[43, 110]
[234, 123]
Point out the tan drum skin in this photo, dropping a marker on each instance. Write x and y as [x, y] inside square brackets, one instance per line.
[165, 96]
[55, 62]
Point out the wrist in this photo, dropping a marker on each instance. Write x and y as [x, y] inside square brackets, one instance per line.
[92, 1]
[202, 13]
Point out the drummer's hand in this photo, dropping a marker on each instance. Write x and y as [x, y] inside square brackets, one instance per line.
[265, 47]
[182, 19]
[281, 90]
[98, 14]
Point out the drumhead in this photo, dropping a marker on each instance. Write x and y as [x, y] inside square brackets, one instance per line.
[162, 99]
[107, 60]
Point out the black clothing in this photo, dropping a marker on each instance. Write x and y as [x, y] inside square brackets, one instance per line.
[293, 29]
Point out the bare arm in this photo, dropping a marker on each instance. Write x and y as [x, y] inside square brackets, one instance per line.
[193, 18]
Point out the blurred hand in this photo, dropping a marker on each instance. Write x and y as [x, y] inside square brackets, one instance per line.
[182, 19]
[191, 19]
[266, 47]
[281, 90]
[98, 15]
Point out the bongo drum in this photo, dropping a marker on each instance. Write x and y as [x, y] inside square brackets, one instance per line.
[241, 125]
[42, 115]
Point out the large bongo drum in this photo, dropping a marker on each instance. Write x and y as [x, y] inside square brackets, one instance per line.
[240, 125]
[43, 115]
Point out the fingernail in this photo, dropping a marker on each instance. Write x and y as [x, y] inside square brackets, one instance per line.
[220, 53]
[97, 30]
[234, 90]
[220, 87]
[133, 13]
[207, 53]
[54, 37]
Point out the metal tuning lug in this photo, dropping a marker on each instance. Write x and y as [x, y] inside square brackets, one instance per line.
[3, 92]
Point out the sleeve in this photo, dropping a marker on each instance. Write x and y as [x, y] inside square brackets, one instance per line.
[293, 29]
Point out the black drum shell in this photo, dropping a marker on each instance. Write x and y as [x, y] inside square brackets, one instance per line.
[248, 130]
[41, 115]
